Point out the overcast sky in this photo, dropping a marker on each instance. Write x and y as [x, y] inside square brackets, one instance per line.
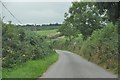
[36, 12]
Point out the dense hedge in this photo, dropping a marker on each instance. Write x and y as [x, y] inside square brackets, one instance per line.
[19, 46]
[101, 47]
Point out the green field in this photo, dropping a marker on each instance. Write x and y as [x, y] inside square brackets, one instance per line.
[46, 32]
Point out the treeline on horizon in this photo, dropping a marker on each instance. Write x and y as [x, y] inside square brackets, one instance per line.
[37, 27]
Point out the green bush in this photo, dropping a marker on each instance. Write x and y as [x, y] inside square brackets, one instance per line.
[102, 47]
[19, 46]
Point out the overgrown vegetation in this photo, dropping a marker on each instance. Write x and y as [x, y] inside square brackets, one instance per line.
[92, 33]
[82, 17]
[101, 47]
[20, 46]
[0, 38]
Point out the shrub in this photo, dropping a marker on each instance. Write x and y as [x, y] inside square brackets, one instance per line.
[19, 46]
[102, 47]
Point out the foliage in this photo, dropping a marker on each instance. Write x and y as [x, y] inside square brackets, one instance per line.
[68, 30]
[99, 42]
[102, 47]
[20, 46]
[65, 44]
[82, 17]
[112, 9]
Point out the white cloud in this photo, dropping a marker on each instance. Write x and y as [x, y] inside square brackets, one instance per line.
[38, 0]
[60, 0]
[36, 12]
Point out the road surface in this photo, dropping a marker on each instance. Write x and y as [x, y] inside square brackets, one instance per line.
[71, 65]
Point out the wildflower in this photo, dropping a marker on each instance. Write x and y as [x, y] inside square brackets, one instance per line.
[23, 55]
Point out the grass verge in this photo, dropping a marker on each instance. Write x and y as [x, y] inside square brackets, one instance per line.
[31, 69]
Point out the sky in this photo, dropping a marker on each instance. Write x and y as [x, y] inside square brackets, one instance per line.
[35, 12]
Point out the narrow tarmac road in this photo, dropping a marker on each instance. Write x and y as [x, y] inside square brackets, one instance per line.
[71, 65]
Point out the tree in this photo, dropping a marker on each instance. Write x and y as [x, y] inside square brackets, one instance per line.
[85, 17]
[112, 9]
[68, 30]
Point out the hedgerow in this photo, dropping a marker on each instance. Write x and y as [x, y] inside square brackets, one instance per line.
[101, 47]
[19, 46]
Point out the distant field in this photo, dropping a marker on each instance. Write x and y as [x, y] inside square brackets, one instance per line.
[47, 32]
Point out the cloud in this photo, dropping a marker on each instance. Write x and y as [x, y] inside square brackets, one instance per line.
[41, 12]
[38, 0]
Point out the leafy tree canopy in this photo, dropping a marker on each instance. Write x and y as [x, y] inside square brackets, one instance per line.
[112, 9]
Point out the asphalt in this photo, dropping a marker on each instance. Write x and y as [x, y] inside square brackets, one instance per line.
[71, 65]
